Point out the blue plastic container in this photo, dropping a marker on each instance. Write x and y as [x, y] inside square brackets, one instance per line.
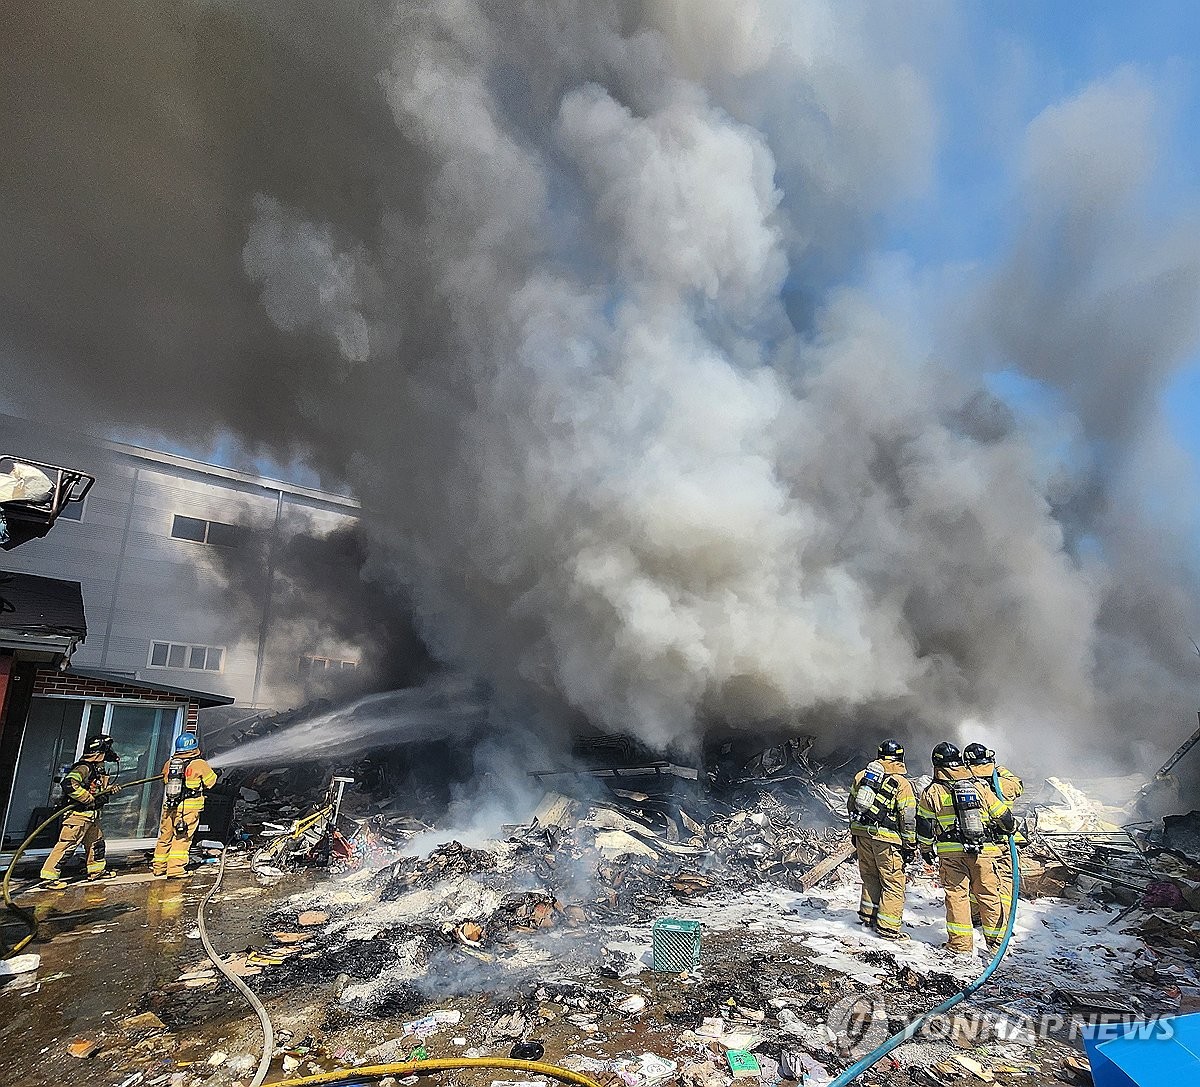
[1166, 1051]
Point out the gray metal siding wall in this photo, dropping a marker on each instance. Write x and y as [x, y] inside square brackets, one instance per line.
[142, 585]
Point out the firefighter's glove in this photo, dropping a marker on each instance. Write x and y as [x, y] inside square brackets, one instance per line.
[929, 856]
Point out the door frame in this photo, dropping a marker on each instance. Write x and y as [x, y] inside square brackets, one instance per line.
[89, 700]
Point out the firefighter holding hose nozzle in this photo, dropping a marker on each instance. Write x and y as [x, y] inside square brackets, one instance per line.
[959, 819]
[186, 778]
[85, 788]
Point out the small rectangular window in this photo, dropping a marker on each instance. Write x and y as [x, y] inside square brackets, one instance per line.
[310, 665]
[189, 528]
[189, 658]
[223, 535]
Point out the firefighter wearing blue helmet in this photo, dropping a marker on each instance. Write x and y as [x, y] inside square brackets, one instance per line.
[186, 778]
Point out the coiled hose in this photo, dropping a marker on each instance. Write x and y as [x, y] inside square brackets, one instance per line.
[882, 1050]
[268, 1031]
[27, 916]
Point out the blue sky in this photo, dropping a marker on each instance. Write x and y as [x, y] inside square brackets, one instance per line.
[1033, 54]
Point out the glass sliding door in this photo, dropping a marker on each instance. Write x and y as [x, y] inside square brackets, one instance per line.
[143, 736]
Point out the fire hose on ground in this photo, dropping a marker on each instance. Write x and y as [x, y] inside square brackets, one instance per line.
[268, 1032]
[28, 917]
[450, 1064]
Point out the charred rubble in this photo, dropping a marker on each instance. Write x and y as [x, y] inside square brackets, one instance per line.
[541, 932]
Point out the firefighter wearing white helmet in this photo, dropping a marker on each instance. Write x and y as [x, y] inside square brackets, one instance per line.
[882, 810]
[959, 820]
[186, 778]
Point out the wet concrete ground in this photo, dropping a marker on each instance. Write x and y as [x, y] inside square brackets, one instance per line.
[103, 946]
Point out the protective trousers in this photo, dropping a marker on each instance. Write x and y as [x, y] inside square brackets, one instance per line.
[882, 870]
[79, 828]
[1005, 878]
[963, 875]
[174, 843]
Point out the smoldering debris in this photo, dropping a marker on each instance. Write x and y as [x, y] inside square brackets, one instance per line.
[544, 934]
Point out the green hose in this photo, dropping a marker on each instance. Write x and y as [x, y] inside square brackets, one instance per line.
[27, 917]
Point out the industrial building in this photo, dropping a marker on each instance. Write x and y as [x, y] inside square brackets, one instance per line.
[156, 545]
[152, 599]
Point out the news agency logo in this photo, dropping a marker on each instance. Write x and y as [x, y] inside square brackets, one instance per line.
[857, 1024]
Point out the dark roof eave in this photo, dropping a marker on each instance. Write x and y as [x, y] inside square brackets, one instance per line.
[203, 699]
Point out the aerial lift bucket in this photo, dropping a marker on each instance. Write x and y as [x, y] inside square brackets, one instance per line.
[25, 521]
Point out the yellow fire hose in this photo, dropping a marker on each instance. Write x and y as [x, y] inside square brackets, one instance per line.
[27, 916]
[449, 1064]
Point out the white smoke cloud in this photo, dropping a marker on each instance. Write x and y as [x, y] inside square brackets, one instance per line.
[563, 295]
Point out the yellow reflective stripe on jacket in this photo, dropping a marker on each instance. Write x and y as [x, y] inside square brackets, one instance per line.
[197, 776]
[904, 805]
[75, 790]
[937, 806]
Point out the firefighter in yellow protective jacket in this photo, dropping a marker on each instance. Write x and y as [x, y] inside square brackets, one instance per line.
[981, 761]
[186, 777]
[84, 787]
[958, 820]
[882, 810]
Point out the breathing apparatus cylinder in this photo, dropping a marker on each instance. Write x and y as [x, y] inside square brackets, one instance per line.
[867, 793]
[173, 792]
[968, 813]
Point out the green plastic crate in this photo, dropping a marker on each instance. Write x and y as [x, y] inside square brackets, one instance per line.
[676, 945]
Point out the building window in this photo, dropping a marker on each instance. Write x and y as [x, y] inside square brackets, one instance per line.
[189, 658]
[315, 666]
[217, 533]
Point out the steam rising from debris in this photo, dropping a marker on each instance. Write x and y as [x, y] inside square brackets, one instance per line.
[560, 292]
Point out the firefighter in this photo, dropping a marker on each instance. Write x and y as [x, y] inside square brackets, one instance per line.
[84, 788]
[186, 778]
[958, 820]
[882, 810]
[981, 760]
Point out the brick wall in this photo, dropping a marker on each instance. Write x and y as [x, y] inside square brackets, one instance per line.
[49, 683]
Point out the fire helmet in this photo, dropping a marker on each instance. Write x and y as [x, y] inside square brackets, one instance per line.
[891, 749]
[185, 743]
[100, 744]
[946, 754]
[974, 754]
